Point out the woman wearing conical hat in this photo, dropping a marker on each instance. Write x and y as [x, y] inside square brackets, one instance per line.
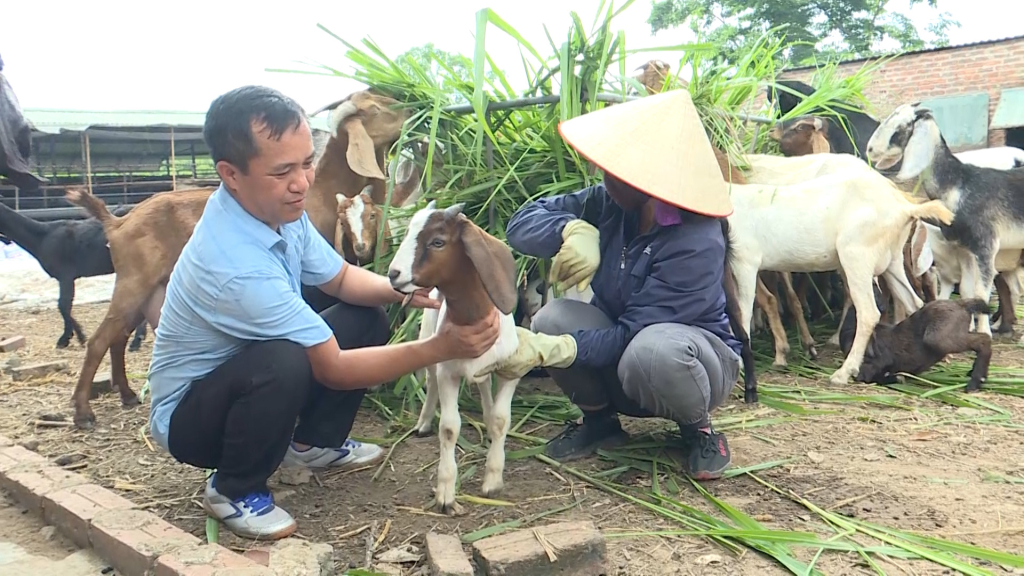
[655, 339]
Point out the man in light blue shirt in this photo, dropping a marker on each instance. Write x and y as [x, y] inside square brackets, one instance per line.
[240, 357]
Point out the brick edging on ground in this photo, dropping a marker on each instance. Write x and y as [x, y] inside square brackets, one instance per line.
[132, 541]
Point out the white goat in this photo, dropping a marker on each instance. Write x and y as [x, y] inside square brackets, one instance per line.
[999, 157]
[854, 221]
[989, 203]
[474, 273]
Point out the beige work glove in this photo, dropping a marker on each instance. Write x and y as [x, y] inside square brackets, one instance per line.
[535, 350]
[578, 258]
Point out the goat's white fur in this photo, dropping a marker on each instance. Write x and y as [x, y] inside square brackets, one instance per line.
[998, 157]
[784, 170]
[853, 221]
[443, 381]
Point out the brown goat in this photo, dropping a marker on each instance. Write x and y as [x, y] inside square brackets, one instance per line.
[364, 126]
[939, 328]
[145, 244]
[653, 74]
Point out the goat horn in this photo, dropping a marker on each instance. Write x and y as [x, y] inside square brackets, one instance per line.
[330, 106]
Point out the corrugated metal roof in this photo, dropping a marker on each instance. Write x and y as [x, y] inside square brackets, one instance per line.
[56, 121]
[922, 51]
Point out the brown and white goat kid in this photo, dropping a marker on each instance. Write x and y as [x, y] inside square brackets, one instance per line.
[473, 273]
[358, 228]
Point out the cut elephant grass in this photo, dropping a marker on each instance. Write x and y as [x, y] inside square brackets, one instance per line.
[496, 160]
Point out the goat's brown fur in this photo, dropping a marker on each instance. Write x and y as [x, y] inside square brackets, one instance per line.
[362, 250]
[939, 328]
[805, 136]
[144, 245]
[471, 268]
[363, 139]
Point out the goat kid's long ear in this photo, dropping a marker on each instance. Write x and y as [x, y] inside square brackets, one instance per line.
[494, 263]
[361, 156]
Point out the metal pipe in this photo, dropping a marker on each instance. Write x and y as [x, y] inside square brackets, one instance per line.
[555, 98]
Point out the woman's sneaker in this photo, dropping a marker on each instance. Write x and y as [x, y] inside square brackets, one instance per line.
[253, 517]
[350, 456]
[708, 452]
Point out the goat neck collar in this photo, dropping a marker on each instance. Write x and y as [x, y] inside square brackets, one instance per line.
[239, 216]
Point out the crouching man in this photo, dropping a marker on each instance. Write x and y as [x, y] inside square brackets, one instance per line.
[655, 340]
[240, 357]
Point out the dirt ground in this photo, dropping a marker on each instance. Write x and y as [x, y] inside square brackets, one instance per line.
[923, 466]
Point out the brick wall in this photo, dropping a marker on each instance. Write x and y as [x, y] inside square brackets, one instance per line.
[947, 72]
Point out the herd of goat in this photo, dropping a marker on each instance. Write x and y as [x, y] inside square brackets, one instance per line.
[891, 212]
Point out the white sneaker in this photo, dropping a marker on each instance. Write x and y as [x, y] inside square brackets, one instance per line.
[350, 456]
[254, 517]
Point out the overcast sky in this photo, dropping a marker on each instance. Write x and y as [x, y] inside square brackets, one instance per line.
[115, 55]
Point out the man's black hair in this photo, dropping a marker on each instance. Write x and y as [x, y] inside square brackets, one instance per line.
[228, 130]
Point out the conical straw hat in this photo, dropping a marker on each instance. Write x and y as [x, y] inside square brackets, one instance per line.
[657, 145]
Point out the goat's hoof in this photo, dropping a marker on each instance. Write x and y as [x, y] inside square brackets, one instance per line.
[134, 347]
[424, 432]
[452, 508]
[839, 380]
[130, 401]
[62, 343]
[85, 421]
[812, 352]
[492, 490]
[780, 363]
[750, 396]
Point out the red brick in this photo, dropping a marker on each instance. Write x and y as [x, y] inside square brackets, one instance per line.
[11, 344]
[12, 457]
[207, 560]
[581, 551]
[28, 483]
[71, 510]
[132, 540]
[446, 557]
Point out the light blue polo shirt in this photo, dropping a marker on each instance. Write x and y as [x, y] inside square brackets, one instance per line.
[236, 281]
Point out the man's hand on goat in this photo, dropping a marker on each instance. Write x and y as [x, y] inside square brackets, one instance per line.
[535, 350]
[469, 341]
[577, 260]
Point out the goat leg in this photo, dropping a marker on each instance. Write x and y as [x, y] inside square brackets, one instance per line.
[64, 300]
[798, 314]
[118, 374]
[448, 434]
[1007, 315]
[498, 420]
[860, 282]
[770, 306]
[140, 335]
[423, 425]
[981, 344]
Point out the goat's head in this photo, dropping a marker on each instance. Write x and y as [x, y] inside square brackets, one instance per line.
[878, 360]
[802, 136]
[371, 122]
[359, 223]
[653, 75]
[904, 144]
[444, 249]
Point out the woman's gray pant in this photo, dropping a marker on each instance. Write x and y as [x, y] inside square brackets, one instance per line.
[673, 371]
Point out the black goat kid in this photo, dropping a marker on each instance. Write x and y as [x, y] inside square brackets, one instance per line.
[939, 328]
[66, 250]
